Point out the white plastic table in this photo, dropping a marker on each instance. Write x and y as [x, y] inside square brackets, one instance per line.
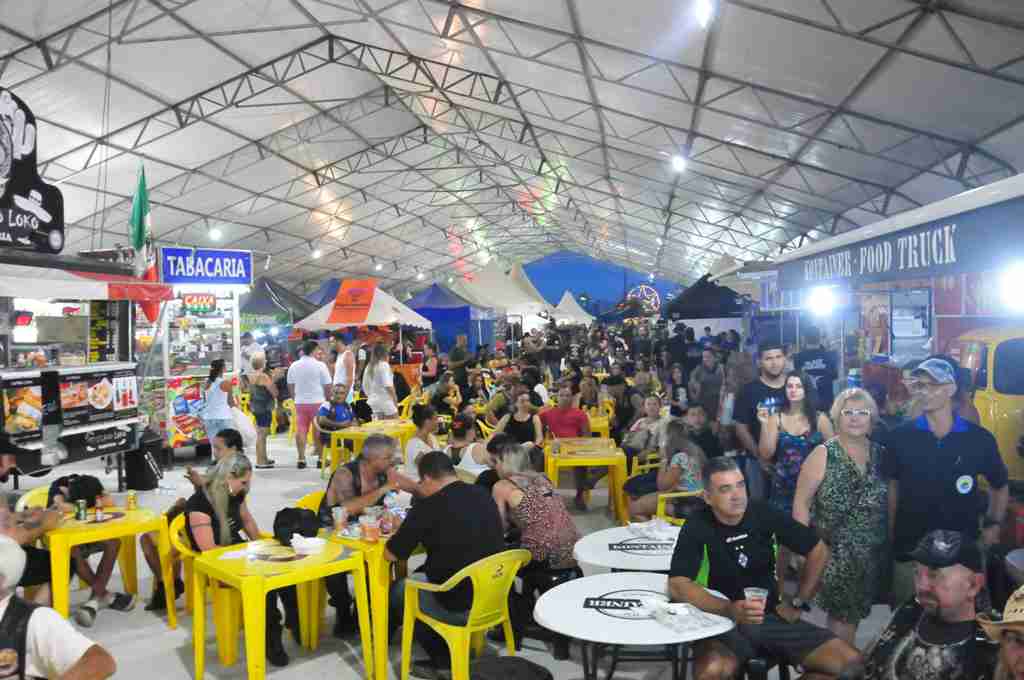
[600, 611]
[620, 549]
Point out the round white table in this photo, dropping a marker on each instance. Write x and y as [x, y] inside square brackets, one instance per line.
[600, 611]
[620, 549]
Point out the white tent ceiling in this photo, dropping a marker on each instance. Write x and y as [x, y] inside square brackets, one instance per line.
[425, 136]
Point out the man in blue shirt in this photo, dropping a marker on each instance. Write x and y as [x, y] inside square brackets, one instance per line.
[932, 464]
[334, 415]
[707, 338]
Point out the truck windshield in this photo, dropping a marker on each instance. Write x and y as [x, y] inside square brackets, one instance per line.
[1009, 367]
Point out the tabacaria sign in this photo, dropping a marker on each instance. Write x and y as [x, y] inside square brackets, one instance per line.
[978, 240]
[31, 211]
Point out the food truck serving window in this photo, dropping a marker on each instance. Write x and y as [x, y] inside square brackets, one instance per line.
[1009, 367]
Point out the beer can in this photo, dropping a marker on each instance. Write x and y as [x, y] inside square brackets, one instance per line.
[99, 509]
[81, 511]
[132, 502]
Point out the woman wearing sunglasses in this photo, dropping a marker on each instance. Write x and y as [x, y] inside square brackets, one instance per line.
[841, 485]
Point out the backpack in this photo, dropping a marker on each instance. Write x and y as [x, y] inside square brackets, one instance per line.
[295, 521]
[507, 668]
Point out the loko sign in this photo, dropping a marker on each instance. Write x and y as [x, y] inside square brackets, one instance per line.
[978, 240]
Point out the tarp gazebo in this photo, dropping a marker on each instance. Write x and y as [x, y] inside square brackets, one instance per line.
[569, 311]
[452, 316]
[271, 304]
[504, 292]
[326, 293]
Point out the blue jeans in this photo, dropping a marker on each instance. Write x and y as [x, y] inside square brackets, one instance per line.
[215, 425]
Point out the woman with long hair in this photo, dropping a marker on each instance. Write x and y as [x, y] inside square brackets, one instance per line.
[841, 486]
[787, 439]
[424, 417]
[469, 456]
[522, 424]
[428, 371]
[682, 461]
[379, 384]
[262, 395]
[675, 391]
[216, 514]
[216, 414]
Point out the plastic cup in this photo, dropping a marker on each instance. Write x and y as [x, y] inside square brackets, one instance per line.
[340, 515]
[759, 595]
[370, 529]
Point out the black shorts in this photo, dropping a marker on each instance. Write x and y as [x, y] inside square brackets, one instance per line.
[37, 567]
[790, 641]
[264, 419]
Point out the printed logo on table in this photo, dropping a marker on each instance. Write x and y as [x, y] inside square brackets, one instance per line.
[624, 604]
[643, 546]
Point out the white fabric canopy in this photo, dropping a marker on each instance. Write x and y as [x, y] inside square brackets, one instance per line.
[492, 284]
[518, 276]
[384, 310]
[36, 282]
[569, 311]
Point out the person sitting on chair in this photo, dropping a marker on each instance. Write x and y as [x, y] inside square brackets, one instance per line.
[333, 415]
[738, 536]
[26, 528]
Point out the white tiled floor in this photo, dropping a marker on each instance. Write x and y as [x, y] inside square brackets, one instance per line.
[144, 647]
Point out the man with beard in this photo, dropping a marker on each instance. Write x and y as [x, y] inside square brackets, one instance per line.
[767, 392]
[936, 636]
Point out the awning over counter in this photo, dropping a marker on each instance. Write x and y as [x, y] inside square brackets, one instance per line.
[37, 282]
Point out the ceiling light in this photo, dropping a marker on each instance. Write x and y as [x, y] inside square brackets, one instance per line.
[678, 163]
[419, 276]
[266, 266]
[705, 12]
[650, 276]
[378, 266]
[215, 233]
[1012, 281]
[661, 241]
[316, 253]
[451, 280]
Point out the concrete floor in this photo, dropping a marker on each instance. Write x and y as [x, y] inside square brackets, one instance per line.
[144, 647]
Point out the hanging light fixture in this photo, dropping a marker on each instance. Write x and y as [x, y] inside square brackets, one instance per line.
[315, 252]
[377, 266]
[215, 233]
[419, 275]
[705, 12]
[679, 163]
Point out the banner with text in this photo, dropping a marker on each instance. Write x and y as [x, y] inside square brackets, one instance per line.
[352, 303]
[987, 238]
[205, 266]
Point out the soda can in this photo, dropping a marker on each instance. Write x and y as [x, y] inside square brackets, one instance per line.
[81, 511]
[99, 509]
[132, 502]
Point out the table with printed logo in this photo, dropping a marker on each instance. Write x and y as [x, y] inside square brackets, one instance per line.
[606, 611]
[622, 549]
[117, 523]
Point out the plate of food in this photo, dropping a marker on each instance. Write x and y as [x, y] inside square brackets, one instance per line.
[23, 410]
[73, 395]
[101, 395]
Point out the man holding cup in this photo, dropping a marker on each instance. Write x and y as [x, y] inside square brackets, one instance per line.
[739, 539]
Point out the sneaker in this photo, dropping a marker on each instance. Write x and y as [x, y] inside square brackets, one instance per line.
[85, 615]
[275, 650]
[302, 465]
[265, 466]
[158, 602]
[120, 602]
[345, 626]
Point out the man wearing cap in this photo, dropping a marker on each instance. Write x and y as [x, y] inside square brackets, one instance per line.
[932, 464]
[936, 635]
[1009, 634]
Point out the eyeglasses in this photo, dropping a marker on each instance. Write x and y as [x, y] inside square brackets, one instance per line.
[922, 386]
[851, 412]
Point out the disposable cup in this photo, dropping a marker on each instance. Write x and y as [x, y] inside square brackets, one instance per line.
[370, 528]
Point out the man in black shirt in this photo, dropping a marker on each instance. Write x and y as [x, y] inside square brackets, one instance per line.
[767, 392]
[642, 345]
[820, 365]
[458, 357]
[739, 538]
[932, 464]
[457, 524]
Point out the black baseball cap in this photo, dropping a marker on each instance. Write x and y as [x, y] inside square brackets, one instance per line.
[942, 548]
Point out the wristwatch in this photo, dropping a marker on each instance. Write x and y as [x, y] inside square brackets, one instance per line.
[800, 604]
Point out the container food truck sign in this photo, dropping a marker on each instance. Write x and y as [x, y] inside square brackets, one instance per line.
[31, 211]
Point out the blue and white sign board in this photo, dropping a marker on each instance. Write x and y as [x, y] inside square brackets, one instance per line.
[205, 266]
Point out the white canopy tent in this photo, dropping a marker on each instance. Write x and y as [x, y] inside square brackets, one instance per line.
[569, 311]
[519, 277]
[383, 310]
[501, 291]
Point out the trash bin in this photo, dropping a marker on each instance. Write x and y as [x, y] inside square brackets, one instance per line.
[141, 470]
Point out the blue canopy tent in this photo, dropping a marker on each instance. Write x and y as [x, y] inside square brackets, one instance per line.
[453, 316]
[327, 291]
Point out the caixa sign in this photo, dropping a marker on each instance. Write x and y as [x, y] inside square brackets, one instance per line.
[31, 211]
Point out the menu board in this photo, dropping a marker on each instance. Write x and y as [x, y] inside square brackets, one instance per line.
[185, 404]
[23, 408]
[102, 332]
[97, 396]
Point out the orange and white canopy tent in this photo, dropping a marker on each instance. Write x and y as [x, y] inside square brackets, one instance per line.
[36, 282]
[360, 302]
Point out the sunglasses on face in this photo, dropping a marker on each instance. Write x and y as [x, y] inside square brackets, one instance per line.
[851, 412]
[922, 386]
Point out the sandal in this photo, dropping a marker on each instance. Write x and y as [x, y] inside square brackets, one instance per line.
[265, 466]
[122, 602]
[85, 615]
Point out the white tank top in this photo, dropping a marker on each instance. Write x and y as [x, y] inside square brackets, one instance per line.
[217, 402]
[341, 376]
[468, 463]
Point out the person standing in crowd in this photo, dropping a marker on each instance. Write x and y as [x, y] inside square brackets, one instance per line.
[963, 399]
[841, 487]
[247, 349]
[357, 485]
[820, 364]
[523, 425]
[565, 421]
[379, 384]
[458, 358]
[424, 417]
[936, 634]
[217, 390]
[675, 391]
[739, 536]
[310, 385]
[932, 464]
[527, 501]
[45, 645]
[534, 344]
[707, 339]
[1008, 633]
[262, 397]
[553, 352]
[429, 368]
[643, 346]
[706, 383]
[694, 352]
[216, 515]
[458, 524]
[767, 393]
[345, 368]
[681, 469]
[677, 344]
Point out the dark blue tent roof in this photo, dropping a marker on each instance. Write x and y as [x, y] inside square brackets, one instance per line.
[327, 291]
[437, 297]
